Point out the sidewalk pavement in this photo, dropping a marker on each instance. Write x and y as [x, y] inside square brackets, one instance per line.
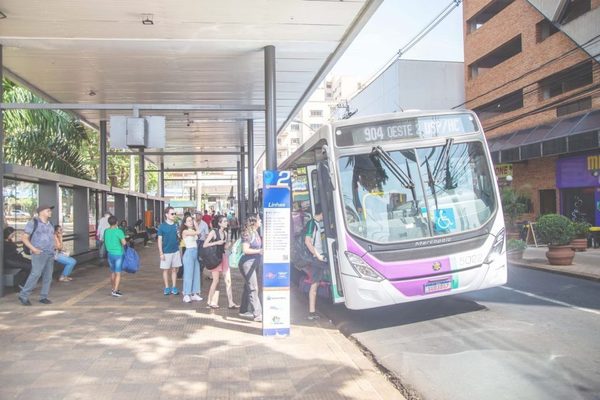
[144, 345]
[586, 264]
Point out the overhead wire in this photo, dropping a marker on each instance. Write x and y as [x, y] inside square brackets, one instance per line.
[411, 43]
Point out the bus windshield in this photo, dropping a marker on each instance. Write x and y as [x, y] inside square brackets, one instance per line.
[413, 194]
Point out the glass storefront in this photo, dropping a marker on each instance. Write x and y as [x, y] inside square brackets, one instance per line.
[578, 179]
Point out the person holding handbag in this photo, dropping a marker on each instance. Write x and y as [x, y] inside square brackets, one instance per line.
[218, 237]
[61, 256]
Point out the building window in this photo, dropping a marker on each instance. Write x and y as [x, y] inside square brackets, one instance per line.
[315, 127]
[295, 127]
[295, 140]
[566, 80]
[575, 106]
[510, 102]
[575, 9]
[316, 113]
[495, 57]
[543, 30]
[279, 141]
[486, 14]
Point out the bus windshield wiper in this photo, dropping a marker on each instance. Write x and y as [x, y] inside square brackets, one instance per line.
[431, 182]
[384, 156]
[442, 159]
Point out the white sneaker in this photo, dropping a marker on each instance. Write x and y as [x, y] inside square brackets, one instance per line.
[187, 299]
[195, 297]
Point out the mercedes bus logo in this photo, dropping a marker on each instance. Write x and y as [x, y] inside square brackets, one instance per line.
[436, 266]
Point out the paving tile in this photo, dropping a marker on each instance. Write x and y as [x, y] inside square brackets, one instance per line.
[89, 345]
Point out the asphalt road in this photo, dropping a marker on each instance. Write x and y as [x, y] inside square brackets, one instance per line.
[538, 337]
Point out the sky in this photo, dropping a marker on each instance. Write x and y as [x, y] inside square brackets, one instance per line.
[392, 26]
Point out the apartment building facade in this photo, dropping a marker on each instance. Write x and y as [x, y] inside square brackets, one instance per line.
[535, 85]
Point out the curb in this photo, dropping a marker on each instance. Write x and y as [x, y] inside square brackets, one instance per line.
[548, 268]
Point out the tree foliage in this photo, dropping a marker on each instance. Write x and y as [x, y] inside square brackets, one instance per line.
[50, 140]
[55, 141]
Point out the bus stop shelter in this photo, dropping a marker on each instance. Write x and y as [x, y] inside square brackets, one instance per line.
[226, 75]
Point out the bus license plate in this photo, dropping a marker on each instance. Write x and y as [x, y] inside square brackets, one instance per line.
[438, 286]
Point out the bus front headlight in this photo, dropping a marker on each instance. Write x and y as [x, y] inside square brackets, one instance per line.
[363, 269]
[497, 247]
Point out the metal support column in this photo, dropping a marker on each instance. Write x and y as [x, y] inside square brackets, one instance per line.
[161, 179]
[239, 192]
[142, 173]
[1, 173]
[243, 210]
[251, 166]
[103, 178]
[270, 110]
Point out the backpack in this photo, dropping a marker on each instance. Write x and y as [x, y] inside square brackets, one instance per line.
[300, 253]
[131, 261]
[237, 251]
[26, 249]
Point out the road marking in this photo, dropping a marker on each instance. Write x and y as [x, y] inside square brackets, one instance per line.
[562, 303]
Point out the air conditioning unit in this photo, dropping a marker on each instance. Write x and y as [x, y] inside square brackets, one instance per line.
[137, 133]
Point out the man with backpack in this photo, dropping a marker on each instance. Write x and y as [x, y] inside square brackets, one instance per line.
[313, 241]
[38, 238]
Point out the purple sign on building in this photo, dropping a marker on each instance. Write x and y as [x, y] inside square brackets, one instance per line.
[577, 172]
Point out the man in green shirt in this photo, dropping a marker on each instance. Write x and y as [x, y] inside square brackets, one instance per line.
[114, 240]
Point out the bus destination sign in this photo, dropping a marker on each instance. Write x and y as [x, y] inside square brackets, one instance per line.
[402, 129]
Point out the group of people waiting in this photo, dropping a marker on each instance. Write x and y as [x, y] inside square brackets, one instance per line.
[179, 246]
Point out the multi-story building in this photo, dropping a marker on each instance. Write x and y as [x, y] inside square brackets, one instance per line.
[532, 75]
[315, 113]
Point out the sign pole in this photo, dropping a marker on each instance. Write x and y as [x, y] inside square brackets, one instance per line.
[276, 253]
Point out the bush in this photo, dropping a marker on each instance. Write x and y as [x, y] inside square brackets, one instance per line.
[515, 245]
[581, 229]
[555, 230]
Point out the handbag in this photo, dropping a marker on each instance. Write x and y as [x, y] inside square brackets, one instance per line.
[209, 257]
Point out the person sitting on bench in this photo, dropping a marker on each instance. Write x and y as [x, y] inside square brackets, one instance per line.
[13, 258]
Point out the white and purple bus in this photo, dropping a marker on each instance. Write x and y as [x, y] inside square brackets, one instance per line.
[411, 209]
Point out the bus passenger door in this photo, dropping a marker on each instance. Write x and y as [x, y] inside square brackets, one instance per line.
[323, 195]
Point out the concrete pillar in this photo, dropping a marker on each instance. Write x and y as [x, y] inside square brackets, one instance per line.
[81, 202]
[50, 194]
[120, 211]
[131, 210]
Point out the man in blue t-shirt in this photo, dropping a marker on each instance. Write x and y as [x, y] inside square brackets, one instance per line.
[168, 247]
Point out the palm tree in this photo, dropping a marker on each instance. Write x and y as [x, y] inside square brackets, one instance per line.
[50, 140]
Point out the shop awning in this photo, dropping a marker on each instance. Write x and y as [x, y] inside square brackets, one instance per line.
[565, 135]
